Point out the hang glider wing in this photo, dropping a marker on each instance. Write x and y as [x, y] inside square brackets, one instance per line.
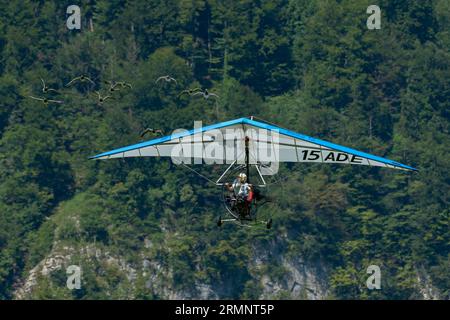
[224, 143]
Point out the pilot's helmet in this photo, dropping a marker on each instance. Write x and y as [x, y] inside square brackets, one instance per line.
[242, 177]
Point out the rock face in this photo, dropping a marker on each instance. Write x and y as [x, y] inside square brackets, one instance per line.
[44, 268]
[60, 258]
[300, 281]
[426, 288]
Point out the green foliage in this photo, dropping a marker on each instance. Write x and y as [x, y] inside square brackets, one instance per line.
[310, 66]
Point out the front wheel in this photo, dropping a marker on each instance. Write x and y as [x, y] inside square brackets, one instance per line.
[269, 224]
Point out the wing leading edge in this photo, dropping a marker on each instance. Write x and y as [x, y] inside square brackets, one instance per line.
[268, 143]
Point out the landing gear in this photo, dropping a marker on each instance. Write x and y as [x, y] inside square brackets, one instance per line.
[245, 222]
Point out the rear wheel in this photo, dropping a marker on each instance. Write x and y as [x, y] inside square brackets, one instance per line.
[219, 221]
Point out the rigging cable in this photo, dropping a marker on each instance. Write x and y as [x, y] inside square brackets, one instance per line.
[198, 173]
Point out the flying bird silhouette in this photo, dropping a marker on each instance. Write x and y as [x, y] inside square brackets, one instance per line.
[159, 132]
[166, 78]
[124, 84]
[189, 92]
[45, 88]
[112, 86]
[46, 101]
[101, 98]
[205, 94]
[81, 78]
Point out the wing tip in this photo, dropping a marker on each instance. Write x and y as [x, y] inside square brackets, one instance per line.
[408, 168]
[96, 157]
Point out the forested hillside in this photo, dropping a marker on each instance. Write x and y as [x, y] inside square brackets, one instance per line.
[145, 228]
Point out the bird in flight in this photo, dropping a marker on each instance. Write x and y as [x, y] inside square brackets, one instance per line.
[166, 78]
[45, 88]
[159, 132]
[189, 92]
[101, 98]
[123, 84]
[46, 101]
[116, 86]
[81, 78]
[205, 94]
[112, 86]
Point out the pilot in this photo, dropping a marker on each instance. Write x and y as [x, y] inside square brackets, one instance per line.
[240, 183]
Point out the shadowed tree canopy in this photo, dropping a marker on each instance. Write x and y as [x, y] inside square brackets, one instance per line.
[308, 65]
